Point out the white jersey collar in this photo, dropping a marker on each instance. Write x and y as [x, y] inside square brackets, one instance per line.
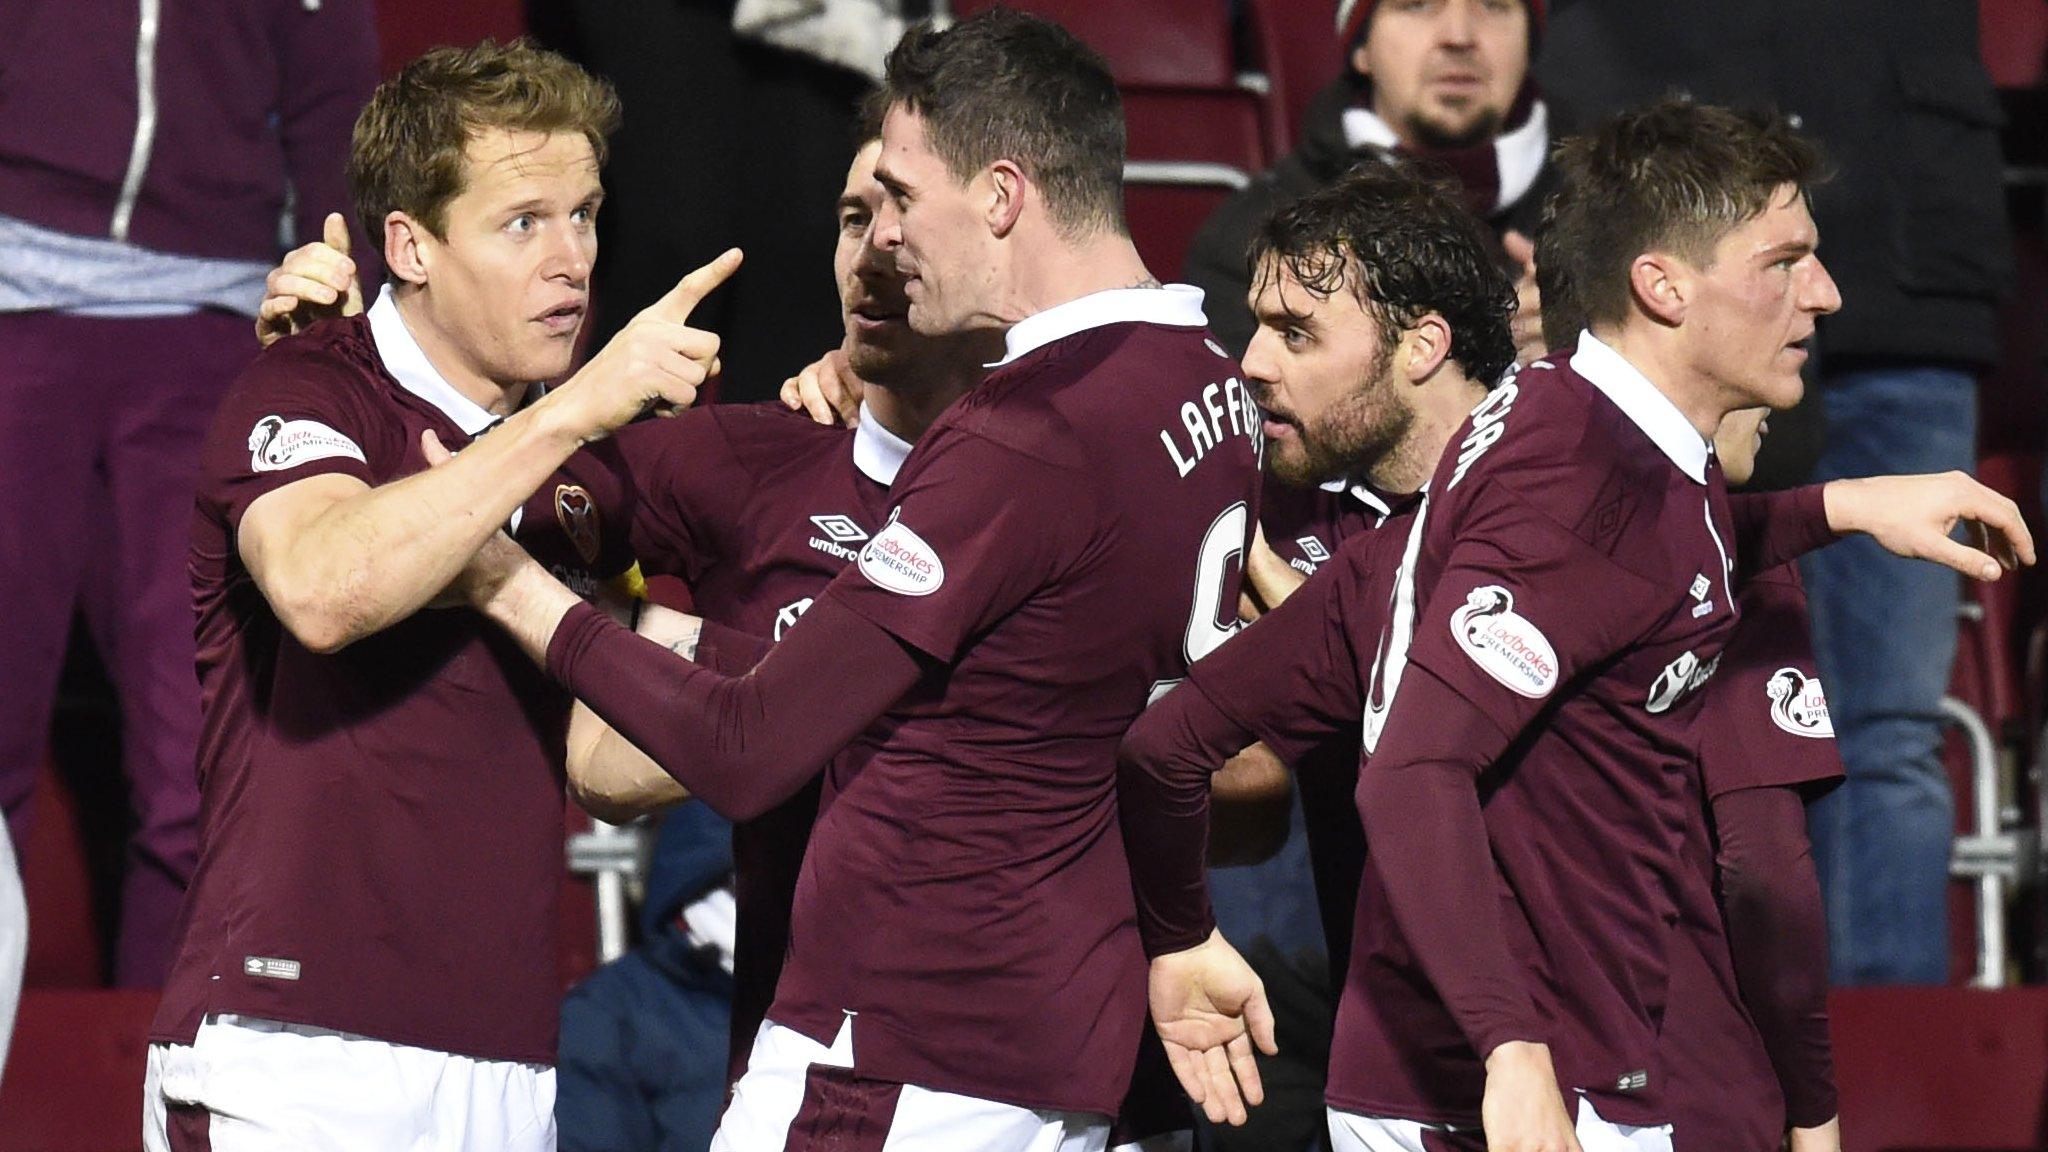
[877, 452]
[1179, 305]
[408, 364]
[1358, 490]
[1639, 400]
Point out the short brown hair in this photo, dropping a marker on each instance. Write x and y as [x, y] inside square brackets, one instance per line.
[1001, 85]
[407, 152]
[1674, 177]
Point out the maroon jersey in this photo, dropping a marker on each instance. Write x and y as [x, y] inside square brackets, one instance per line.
[1565, 591]
[757, 508]
[1764, 724]
[381, 837]
[1307, 527]
[1065, 540]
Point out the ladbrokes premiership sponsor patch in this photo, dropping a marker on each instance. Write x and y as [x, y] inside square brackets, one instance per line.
[1505, 645]
[899, 560]
[1799, 705]
[276, 444]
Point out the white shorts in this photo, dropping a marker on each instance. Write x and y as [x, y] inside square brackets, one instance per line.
[245, 1084]
[790, 1101]
[1350, 1132]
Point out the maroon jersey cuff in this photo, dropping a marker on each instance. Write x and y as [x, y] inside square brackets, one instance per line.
[1163, 776]
[1777, 938]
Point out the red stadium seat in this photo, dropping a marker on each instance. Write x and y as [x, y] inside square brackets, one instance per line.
[1148, 43]
[405, 29]
[64, 939]
[1189, 149]
[2015, 40]
[74, 1076]
[1294, 43]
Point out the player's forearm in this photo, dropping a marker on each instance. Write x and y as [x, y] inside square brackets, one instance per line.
[1164, 768]
[374, 558]
[1777, 938]
[1419, 804]
[742, 744]
[609, 777]
[1773, 528]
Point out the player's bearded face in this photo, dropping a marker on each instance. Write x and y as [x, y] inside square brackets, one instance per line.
[936, 230]
[508, 281]
[1445, 72]
[879, 343]
[1750, 314]
[1323, 373]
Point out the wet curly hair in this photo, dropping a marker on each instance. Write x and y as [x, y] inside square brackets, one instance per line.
[1401, 241]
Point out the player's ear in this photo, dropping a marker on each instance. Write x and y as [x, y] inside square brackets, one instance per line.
[1425, 346]
[1007, 189]
[405, 248]
[1662, 286]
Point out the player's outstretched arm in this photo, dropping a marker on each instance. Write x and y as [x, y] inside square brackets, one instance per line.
[1909, 516]
[1912, 516]
[1210, 1009]
[1290, 682]
[1777, 939]
[741, 744]
[314, 282]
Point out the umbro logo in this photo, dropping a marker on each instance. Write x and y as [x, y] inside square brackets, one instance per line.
[840, 537]
[1701, 590]
[839, 529]
[1313, 549]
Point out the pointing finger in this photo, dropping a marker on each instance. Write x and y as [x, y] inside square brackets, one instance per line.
[691, 290]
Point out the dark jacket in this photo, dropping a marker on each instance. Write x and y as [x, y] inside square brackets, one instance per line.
[1216, 256]
[1913, 224]
[232, 100]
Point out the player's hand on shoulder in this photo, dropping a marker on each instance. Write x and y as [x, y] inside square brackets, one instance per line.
[1210, 1009]
[827, 389]
[315, 282]
[656, 361]
[1912, 516]
[1820, 1138]
[1523, 1110]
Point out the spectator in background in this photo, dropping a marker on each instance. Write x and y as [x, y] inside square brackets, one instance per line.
[727, 142]
[148, 155]
[1915, 232]
[642, 1066]
[1446, 81]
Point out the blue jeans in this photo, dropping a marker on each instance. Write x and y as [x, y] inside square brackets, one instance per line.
[1884, 632]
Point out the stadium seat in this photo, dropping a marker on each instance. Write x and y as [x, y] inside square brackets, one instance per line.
[2015, 41]
[1294, 45]
[64, 946]
[1148, 43]
[405, 28]
[1189, 149]
[1196, 133]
